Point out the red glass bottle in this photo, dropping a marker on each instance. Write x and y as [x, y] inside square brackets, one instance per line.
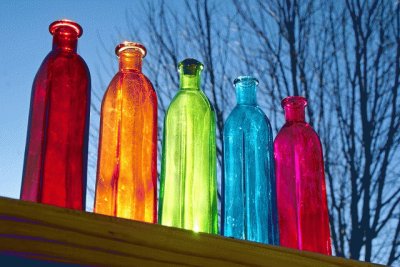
[127, 160]
[301, 192]
[56, 147]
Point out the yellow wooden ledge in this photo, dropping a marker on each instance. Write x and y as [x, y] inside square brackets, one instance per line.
[49, 233]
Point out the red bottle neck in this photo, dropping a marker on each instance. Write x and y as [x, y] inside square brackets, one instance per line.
[65, 39]
[294, 107]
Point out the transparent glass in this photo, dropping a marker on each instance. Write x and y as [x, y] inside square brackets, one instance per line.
[188, 189]
[302, 207]
[248, 186]
[56, 148]
[127, 159]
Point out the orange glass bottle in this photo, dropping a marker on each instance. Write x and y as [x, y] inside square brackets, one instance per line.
[127, 160]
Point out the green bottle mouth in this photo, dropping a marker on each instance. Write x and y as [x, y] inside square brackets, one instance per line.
[190, 66]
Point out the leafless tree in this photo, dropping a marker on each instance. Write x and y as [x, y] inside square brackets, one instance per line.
[174, 35]
[170, 36]
[344, 57]
[365, 79]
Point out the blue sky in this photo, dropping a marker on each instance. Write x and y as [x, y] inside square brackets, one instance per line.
[24, 44]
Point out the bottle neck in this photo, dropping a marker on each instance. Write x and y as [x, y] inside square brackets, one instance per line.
[130, 60]
[294, 114]
[190, 71]
[246, 90]
[65, 41]
[246, 94]
[189, 82]
[294, 107]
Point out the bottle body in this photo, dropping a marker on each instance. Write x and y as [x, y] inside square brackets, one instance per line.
[188, 193]
[127, 160]
[301, 190]
[56, 149]
[248, 188]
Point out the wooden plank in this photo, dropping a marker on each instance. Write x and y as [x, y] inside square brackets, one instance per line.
[50, 233]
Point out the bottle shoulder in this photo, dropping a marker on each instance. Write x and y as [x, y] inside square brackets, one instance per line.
[131, 81]
[247, 120]
[136, 87]
[193, 99]
[64, 61]
[297, 132]
[61, 67]
[247, 115]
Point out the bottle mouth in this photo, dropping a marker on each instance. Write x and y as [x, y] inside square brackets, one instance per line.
[190, 66]
[245, 81]
[294, 102]
[68, 24]
[130, 45]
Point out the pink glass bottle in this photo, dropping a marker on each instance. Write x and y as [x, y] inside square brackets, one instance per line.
[56, 147]
[301, 192]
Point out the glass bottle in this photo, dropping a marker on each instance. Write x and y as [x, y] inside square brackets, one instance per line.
[56, 149]
[301, 191]
[188, 188]
[248, 187]
[127, 160]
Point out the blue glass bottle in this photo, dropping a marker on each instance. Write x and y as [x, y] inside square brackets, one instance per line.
[248, 187]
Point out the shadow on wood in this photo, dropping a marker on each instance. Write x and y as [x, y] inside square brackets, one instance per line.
[47, 233]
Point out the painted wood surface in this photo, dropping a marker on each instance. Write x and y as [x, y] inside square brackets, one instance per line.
[44, 232]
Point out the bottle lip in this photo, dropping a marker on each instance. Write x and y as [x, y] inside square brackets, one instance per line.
[294, 101]
[130, 45]
[246, 79]
[66, 23]
[189, 66]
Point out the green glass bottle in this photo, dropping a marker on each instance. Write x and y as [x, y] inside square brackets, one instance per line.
[188, 189]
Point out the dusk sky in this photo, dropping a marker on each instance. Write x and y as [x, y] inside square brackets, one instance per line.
[341, 55]
[25, 43]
